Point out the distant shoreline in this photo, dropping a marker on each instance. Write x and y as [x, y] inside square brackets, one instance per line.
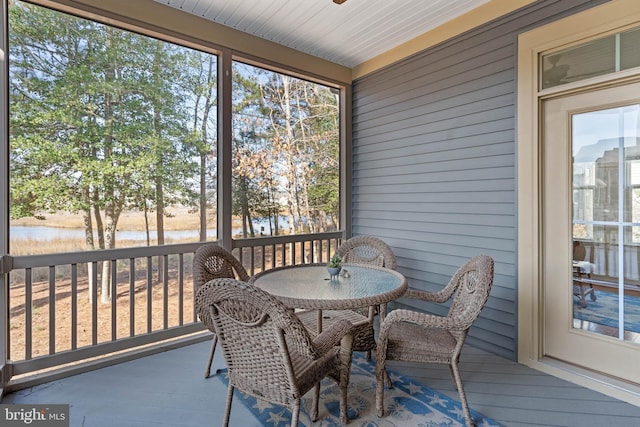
[180, 218]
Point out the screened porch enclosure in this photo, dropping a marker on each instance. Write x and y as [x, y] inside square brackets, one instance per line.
[128, 149]
[422, 152]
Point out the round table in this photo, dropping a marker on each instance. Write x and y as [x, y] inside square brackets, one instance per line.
[308, 286]
[326, 300]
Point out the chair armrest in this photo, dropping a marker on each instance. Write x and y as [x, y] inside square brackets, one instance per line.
[332, 336]
[421, 319]
[425, 296]
[438, 297]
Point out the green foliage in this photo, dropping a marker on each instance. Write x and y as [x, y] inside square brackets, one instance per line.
[106, 121]
[98, 117]
[335, 261]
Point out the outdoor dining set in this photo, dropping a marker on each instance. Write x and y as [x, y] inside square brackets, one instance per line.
[283, 330]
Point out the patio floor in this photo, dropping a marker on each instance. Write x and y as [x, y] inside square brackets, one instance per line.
[168, 389]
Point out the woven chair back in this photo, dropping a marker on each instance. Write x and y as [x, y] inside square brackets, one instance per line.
[474, 280]
[251, 326]
[367, 250]
[214, 262]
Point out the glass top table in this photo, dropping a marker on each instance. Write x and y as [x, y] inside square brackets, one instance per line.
[309, 286]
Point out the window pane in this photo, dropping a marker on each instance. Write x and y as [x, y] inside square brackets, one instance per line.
[112, 136]
[591, 59]
[606, 199]
[285, 154]
[630, 49]
[604, 141]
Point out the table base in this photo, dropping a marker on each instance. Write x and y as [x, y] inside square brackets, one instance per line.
[362, 328]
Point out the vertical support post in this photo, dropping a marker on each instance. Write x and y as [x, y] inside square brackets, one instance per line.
[345, 160]
[224, 149]
[5, 371]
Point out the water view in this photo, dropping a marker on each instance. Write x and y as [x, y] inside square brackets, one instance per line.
[48, 234]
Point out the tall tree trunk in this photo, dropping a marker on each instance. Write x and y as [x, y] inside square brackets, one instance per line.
[108, 239]
[304, 188]
[112, 214]
[202, 197]
[88, 237]
[160, 223]
[290, 158]
[208, 104]
[146, 224]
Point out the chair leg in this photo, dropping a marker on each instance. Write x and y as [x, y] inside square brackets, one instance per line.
[227, 411]
[207, 371]
[453, 376]
[344, 416]
[314, 405]
[463, 398]
[381, 378]
[295, 414]
[387, 379]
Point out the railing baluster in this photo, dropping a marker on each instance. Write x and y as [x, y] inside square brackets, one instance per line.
[74, 306]
[149, 292]
[94, 303]
[132, 297]
[180, 289]
[28, 313]
[252, 259]
[52, 309]
[165, 291]
[273, 256]
[114, 300]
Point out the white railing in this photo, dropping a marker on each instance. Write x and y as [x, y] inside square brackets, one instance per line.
[60, 324]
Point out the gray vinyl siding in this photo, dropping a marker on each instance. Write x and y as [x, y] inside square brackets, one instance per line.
[434, 163]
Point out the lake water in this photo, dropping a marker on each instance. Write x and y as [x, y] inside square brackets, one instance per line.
[45, 234]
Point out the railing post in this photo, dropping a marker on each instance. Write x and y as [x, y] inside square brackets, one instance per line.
[6, 264]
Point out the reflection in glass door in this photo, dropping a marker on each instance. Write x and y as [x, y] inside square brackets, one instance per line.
[606, 214]
[591, 229]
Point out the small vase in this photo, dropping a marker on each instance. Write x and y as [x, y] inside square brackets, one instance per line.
[334, 271]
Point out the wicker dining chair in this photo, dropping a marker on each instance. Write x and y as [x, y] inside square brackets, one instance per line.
[368, 250]
[269, 353]
[212, 261]
[412, 336]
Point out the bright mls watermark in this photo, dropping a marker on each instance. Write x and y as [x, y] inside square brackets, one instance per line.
[34, 415]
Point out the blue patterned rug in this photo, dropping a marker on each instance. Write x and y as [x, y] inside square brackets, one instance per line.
[604, 310]
[407, 404]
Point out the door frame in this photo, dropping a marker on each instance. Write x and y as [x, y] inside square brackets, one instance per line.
[591, 24]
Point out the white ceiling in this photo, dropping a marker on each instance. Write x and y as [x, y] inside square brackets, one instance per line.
[347, 34]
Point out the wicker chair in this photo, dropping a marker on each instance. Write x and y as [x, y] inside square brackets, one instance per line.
[357, 250]
[269, 353]
[411, 336]
[213, 262]
[368, 250]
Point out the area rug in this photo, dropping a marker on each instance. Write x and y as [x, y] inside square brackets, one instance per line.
[604, 310]
[407, 404]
